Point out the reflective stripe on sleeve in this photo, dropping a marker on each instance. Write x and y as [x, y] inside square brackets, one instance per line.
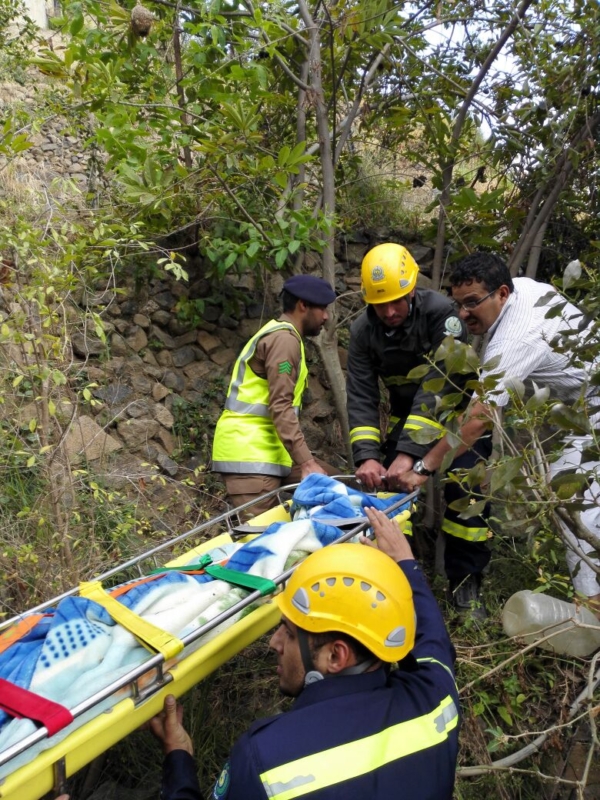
[347, 761]
[417, 423]
[358, 434]
[464, 532]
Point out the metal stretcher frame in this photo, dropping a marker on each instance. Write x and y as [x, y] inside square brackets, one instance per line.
[49, 769]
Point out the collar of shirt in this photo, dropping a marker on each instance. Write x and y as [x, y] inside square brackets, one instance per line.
[330, 688]
[508, 304]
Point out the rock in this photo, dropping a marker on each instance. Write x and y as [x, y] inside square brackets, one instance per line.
[247, 328]
[167, 464]
[142, 320]
[354, 253]
[166, 439]
[137, 339]
[122, 325]
[420, 253]
[159, 392]
[137, 432]
[198, 369]
[173, 380]
[118, 345]
[183, 356]
[140, 383]
[225, 321]
[86, 344]
[320, 411]
[113, 394]
[161, 318]
[165, 300]
[140, 408]
[223, 357]
[87, 439]
[150, 359]
[207, 342]
[163, 337]
[211, 313]
[315, 387]
[164, 358]
[163, 415]
[256, 311]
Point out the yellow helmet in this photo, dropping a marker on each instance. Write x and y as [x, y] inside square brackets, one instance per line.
[388, 272]
[357, 590]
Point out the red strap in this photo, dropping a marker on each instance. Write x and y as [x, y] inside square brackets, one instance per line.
[23, 704]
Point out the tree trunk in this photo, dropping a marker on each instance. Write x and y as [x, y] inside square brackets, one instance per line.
[565, 167]
[327, 342]
[448, 166]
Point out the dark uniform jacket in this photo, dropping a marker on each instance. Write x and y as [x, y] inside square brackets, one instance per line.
[373, 736]
[390, 354]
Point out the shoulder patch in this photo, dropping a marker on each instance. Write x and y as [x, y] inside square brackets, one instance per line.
[221, 788]
[453, 326]
[284, 368]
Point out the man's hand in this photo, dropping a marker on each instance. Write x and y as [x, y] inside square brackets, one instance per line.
[390, 539]
[409, 481]
[311, 466]
[167, 726]
[397, 471]
[371, 474]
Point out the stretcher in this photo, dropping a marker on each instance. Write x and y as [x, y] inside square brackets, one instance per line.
[104, 718]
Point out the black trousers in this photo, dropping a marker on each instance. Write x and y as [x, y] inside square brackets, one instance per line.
[462, 555]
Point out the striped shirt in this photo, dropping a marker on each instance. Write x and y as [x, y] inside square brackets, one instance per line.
[521, 343]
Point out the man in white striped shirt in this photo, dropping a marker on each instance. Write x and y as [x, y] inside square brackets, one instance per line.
[522, 347]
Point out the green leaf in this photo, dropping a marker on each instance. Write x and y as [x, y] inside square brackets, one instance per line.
[434, 385]
[505, 472]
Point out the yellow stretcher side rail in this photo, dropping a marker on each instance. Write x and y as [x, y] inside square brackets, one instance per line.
[37, 778]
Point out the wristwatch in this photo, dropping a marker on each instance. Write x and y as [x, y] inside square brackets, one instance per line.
[420, 468]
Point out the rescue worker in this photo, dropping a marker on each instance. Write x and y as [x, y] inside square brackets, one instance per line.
[258, 444]
[401, 328]
[513, 313]
[357, 729]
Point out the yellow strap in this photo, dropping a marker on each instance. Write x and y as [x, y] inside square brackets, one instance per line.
[347, 761]
[464, 532]
[147, 634]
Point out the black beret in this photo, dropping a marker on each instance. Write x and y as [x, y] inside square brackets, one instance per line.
[310, 289]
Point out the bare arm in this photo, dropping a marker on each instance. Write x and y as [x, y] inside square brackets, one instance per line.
[476, 422]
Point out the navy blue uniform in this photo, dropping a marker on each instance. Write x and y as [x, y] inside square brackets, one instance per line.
[357, 737]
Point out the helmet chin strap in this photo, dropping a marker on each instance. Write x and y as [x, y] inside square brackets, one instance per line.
[312, 675]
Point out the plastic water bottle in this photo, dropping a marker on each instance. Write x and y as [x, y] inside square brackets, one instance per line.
[533, 615]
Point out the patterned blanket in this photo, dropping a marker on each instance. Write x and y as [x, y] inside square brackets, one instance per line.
[76, 648]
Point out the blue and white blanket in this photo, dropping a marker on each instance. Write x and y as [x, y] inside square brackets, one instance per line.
[77, 649]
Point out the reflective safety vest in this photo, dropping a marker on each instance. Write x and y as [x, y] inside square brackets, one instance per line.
[245, 437]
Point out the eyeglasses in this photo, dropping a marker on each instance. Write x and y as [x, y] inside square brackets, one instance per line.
[471, 304]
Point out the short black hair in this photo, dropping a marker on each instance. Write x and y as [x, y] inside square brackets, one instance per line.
[318, 640]
[288, 301]
[486, 268]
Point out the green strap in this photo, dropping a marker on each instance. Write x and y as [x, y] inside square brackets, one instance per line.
[243, 579]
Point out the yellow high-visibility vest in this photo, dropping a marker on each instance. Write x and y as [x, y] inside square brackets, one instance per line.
[245, 438]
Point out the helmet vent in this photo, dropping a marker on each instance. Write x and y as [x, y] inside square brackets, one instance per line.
[380, 596]
[366, 587]
[348, 581]
[301, 602]
[315, 587]
[330, 581]
[396, 638]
